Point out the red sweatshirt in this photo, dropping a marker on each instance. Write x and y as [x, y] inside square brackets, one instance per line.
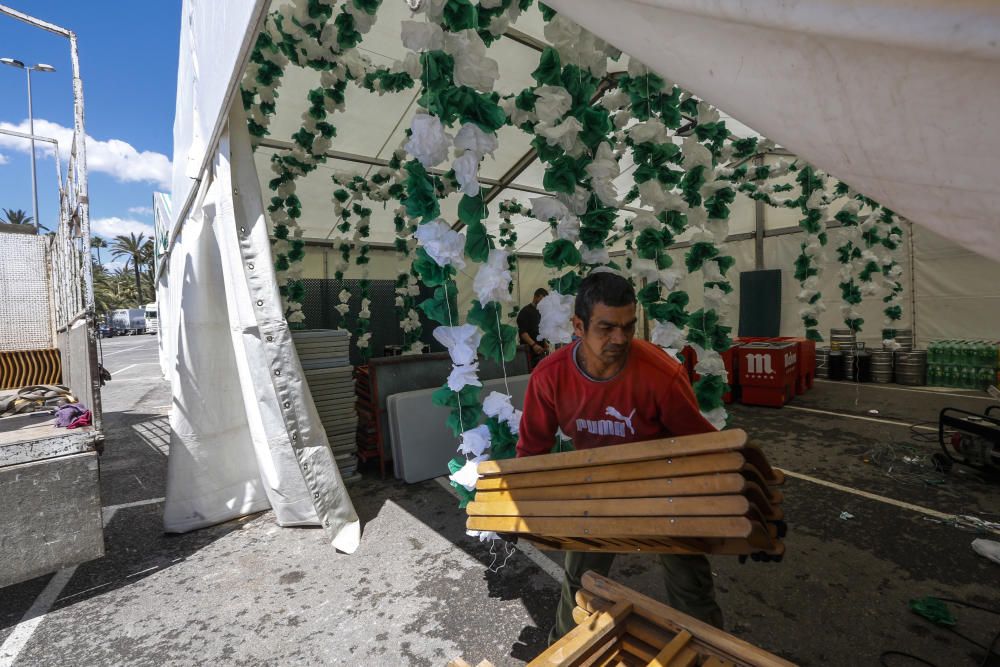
[650, 398]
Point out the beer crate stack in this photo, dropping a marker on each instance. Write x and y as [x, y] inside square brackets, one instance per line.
[324, 355]
[712, 493]
[619, 626]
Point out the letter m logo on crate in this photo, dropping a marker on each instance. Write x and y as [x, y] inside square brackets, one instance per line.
[759, 364]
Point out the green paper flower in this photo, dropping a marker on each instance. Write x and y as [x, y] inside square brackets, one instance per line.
[477, 242]
[443, 306]
[560, 253]
[499, 345]
[549, 68]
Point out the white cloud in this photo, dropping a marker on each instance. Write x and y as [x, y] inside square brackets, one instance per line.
[109, 228]
[141, 210]
[3, 159]
[117, 158]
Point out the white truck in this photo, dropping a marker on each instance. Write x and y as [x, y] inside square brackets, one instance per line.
[152, 321]
[128, 321]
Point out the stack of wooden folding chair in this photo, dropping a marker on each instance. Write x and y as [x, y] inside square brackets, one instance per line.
[712, 493]
[620, 627]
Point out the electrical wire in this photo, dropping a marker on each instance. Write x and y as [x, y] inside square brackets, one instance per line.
[962, 603]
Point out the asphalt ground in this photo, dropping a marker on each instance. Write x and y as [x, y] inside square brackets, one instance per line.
[419, 592]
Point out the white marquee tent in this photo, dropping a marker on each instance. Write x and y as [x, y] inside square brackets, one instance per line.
[896, 97]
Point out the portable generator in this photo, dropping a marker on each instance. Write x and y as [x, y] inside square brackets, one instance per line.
[970, 439]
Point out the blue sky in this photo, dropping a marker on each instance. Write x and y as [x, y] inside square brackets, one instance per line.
[128, 63]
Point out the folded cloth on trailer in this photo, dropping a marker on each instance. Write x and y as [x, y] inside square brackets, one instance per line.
[67, 414]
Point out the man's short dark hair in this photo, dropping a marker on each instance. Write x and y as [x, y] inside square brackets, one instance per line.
[541, 292]
[603, 287]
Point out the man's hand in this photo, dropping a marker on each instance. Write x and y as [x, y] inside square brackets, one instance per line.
[537, 349]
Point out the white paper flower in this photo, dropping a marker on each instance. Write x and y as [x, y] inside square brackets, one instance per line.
[569, 229]
[556, 311]
[716, 417]
[467, 173]
[364, 339]
[420, 35]
[514, 423]
[498, 405]
[468, 474]
[493, 278]
[344, 296]
[614, 100]
[462, 376]
[472, 138]
[652, 131]
[472, 67]
[563, 135]
[709, 363]
[669, 278]
[475, 441]
[461, 342]
[429, 143]
[603, 170]
[667, 335]
[696, 154]
[442, 244]
[547, 208]
[551, 103]
[594, 255]
[576, 202]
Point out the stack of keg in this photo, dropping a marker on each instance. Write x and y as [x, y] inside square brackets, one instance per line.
[881, 368]
[911, 367]
[902, 336]
[823, 362]
[842, 339]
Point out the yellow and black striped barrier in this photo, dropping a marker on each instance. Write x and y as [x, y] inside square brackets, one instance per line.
[22, 368]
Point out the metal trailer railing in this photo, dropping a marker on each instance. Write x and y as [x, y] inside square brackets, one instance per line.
[53, 480]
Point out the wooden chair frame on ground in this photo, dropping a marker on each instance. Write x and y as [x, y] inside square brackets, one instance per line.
[619, 626]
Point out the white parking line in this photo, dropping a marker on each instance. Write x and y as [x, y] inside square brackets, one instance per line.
[930, 392]
[18, 638]
[127, 349]
[141, 363]
[878, 420]
[874, 496]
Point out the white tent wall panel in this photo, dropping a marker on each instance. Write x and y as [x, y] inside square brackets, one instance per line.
[957, 292]
[215, 36]
[780, 253]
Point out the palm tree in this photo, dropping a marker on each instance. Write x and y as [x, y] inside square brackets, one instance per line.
[16, 217]
[97, 243]
[130, 247]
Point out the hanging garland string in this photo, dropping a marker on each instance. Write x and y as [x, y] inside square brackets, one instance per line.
[307, 34]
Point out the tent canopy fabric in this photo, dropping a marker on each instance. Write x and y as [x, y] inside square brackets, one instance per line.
[897, 98]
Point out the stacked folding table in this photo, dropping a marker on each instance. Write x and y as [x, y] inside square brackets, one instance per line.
[712, 493]
[324, 354]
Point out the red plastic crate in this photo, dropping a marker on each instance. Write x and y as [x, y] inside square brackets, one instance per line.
[806, 362]
[774, 397]
[768, 372]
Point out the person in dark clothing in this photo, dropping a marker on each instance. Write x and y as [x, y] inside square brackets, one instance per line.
[527, 328]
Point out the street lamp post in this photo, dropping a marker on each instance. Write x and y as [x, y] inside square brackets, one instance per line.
[40, 67]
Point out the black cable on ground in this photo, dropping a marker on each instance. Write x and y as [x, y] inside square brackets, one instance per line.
[990, 650]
